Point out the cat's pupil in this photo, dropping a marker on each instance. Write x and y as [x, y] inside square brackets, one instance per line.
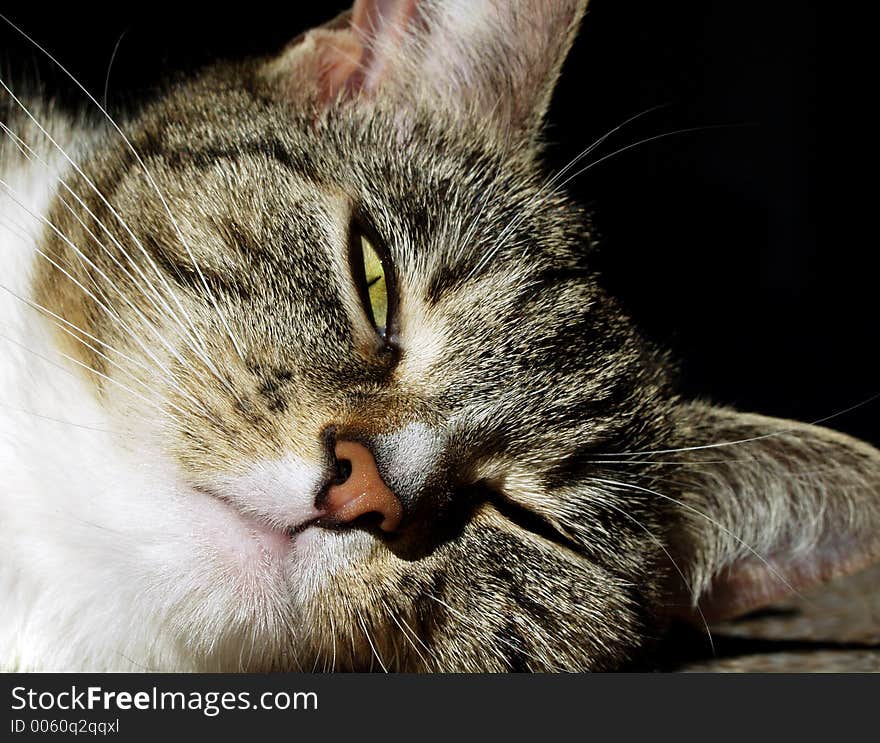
[370, 267]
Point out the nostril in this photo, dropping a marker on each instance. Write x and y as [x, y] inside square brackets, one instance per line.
[343, 471]
[359, 490]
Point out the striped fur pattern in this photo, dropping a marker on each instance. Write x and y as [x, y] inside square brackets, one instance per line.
[192, 289]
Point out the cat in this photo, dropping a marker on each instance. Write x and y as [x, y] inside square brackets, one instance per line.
[306, 366]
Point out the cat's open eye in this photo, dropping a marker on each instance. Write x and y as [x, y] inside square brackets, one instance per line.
[373, 276]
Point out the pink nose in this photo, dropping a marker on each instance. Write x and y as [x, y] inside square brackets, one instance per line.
[363, 492]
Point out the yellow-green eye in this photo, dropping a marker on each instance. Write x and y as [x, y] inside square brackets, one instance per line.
[377, 287]
[374, 278]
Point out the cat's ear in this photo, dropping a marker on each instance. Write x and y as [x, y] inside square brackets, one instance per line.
[494, 58]
[777, 507]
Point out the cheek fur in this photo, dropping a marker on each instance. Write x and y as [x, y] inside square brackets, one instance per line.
[283, 491]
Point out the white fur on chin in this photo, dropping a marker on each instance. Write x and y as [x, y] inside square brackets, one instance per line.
[107, 561]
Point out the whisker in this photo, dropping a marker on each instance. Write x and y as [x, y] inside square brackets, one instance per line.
[74, 331]
[110, 312]
[37, 307]
[110, 68]
[781, 578]
[468, 621]
[16, 140]
[333, 634]
[551, 181]
[16, 409]
[95, 371]
[762, 437]
[384, 610]
[171, 378]
[293, 634]
[110, 361]
[644, 141]
[606, 502]
[665, 462]
[370, 640]
[146, 173]
[558, 189]
[101, 196]
[193, 341]
[394, 619]
[31, 154]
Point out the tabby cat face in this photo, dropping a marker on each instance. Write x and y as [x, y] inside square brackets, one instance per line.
[493, 397]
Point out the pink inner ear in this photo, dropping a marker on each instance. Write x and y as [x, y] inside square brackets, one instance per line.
[354, 59]
[380, 26]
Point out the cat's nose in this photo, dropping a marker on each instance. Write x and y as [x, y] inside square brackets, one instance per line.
[360, 489]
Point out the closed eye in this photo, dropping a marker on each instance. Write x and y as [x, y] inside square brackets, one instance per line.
[531, 521]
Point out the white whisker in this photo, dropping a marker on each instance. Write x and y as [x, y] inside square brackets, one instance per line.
[110, 67]
[58, 319]
[146, 173]
[606, 502]
[17, 409]
[108, 310]
[165, 307]
[499, 241]
[461, 617]
[193, 339]
[333, 633]
[712, 521]
[370, 641]
[75, 331]
[738, 442]
[101, 196]
[152, 403]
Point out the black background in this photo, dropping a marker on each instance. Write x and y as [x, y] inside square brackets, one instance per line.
[747, 248]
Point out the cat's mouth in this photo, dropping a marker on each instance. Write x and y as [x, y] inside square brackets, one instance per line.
[264, 527]
[244, 531]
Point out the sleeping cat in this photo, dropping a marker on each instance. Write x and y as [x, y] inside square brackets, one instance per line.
[305, 366]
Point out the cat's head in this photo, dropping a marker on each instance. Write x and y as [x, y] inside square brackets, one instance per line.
[334, 300]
